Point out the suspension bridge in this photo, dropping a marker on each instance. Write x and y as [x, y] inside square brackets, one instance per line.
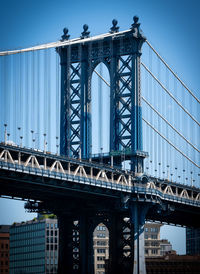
[99, 129]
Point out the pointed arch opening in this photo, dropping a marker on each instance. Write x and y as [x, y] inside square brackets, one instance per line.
[100, 109]
[101, 248]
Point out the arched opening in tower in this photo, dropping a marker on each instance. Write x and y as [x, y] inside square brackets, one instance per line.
[100, 97]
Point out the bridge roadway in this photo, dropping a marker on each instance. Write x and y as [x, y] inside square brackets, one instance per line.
[91, 193]
[35, 175]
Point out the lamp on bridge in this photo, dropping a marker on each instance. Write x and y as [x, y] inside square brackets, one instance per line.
[45, 143]
[21, 137]
[19, 128]
[57, 145]
[32, 132]
[8, 134]
[5, 133]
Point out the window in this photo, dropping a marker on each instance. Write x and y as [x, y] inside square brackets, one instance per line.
[101, 250]
[100, 265]
[101, 243]
[101, 227]
[154, 243]
[99, 258]
[154, 236]
[146, 229]
[154, 229]
[154, 251]
[101, 235]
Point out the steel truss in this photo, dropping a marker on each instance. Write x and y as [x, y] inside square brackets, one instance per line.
[121, 54]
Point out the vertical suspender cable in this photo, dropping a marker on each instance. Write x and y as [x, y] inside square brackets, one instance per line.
[89, 97]
[45, 92]
[1, 103]
[26, 109]
[15, 99]
[38, 100]
[100, 108]
[49, 99]
[57, 111]
[20, 91]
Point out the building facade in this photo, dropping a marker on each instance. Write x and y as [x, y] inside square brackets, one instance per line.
[152, 239]
[165, 247]
[101, 248]
[192, 241]
[4, 248]
[34, 247]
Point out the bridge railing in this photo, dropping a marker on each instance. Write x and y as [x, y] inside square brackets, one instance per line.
[92, 174]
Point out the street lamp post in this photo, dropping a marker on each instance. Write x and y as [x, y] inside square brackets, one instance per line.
[32, 131]
[44, 142]
[57, 145]
[21, 137]
[5, 133]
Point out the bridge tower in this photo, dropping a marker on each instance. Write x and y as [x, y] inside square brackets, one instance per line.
[120, 52]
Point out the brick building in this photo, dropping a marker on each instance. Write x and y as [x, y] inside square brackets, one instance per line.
[4, 249]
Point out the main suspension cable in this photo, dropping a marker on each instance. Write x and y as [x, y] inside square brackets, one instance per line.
[170, 94]
[183, 154]
[165, 120]
[175, 75]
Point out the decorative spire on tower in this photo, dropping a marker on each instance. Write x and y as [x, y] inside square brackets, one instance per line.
[114, 28]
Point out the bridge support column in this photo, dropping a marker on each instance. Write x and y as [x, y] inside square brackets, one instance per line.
[120, 245]
[138, 213]
[75, 244]
[65, 258]
[86, 245]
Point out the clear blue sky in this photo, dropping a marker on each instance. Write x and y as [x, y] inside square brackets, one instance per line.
[171, 26]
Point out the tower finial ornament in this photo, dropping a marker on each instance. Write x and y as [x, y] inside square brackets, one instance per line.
[135, 27]
[85, 33]
[114, 28]
[65, 35]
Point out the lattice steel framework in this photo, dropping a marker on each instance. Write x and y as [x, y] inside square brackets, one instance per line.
[120, 52]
